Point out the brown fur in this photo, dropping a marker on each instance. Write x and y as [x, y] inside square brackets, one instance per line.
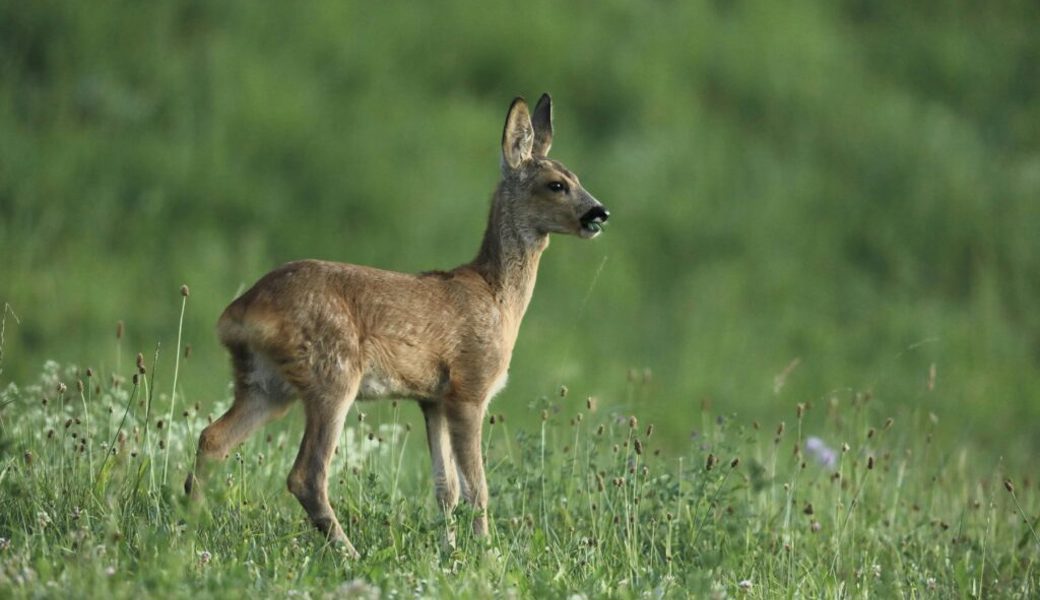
[329, 333]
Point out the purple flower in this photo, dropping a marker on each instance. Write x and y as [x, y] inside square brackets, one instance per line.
[823, 453]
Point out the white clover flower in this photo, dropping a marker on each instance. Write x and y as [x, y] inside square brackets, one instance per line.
[745, 585]
[357, 588]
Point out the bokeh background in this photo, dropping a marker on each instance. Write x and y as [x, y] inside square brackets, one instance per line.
[809, 200]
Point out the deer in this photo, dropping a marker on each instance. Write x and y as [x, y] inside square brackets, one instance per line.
[330, 333]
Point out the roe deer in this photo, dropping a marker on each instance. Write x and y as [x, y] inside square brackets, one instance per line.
[329, 333]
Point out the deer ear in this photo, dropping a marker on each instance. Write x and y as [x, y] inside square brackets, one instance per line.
[518, 135]
[543, 126]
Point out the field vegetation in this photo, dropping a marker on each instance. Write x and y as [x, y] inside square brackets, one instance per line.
[824, 215]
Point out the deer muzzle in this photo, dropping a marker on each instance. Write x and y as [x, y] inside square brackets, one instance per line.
[593, 220]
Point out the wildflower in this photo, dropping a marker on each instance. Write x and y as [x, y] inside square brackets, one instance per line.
[185, 291]
[745, 585]
[823, 453]
[633, 422]
[357, 588]
[110, 571]
[43, 519]
[205, 557]
[815, 526]
[930, 582]
[5, 543]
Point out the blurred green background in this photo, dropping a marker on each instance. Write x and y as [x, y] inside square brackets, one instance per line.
[849, 184]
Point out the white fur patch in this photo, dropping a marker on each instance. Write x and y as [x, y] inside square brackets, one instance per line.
[497, 386]
[377, 384]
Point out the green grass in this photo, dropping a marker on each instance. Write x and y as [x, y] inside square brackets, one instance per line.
[811, 203]
[585, 502]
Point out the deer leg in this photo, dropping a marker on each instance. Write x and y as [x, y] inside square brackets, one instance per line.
[308, 480]
[465, 424]
[445, 476]
[255, 404]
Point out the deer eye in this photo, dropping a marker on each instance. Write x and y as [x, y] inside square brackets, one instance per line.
[556, 186]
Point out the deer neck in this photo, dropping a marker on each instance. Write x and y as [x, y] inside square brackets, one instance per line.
[508, 257]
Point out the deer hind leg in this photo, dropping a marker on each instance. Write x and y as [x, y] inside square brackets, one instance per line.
[445, 475]
[261, 396]
[465, 422]
[325, 408]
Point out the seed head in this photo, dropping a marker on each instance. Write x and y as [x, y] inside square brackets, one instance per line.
[808, 509]
[709, 464]
[492, 419]
[90, 372]
[590, 403]
[185, 291]
[870, 462]
[1010, 487]
[733, 464]
[800, 409]
[79, 385]
[633, 422]
[563, 391]
[187, 351]
[888, 424]
[780, 429]
[28, 458]
[649, 430]
[61, 388]
[638, 446]
[870, 433]
[545, 415]
[119, 330]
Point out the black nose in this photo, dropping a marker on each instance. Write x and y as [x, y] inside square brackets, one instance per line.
[596, 214]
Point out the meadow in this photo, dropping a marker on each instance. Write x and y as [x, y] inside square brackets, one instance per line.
[824, 216]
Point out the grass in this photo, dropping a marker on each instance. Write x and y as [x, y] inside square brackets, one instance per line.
[813, 203]
[585, 502]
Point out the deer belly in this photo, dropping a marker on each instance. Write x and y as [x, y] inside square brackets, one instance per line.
[376, 383]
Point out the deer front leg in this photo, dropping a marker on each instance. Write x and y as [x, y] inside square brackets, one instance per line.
[445, 475]
[465, 422]
[308, 479]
